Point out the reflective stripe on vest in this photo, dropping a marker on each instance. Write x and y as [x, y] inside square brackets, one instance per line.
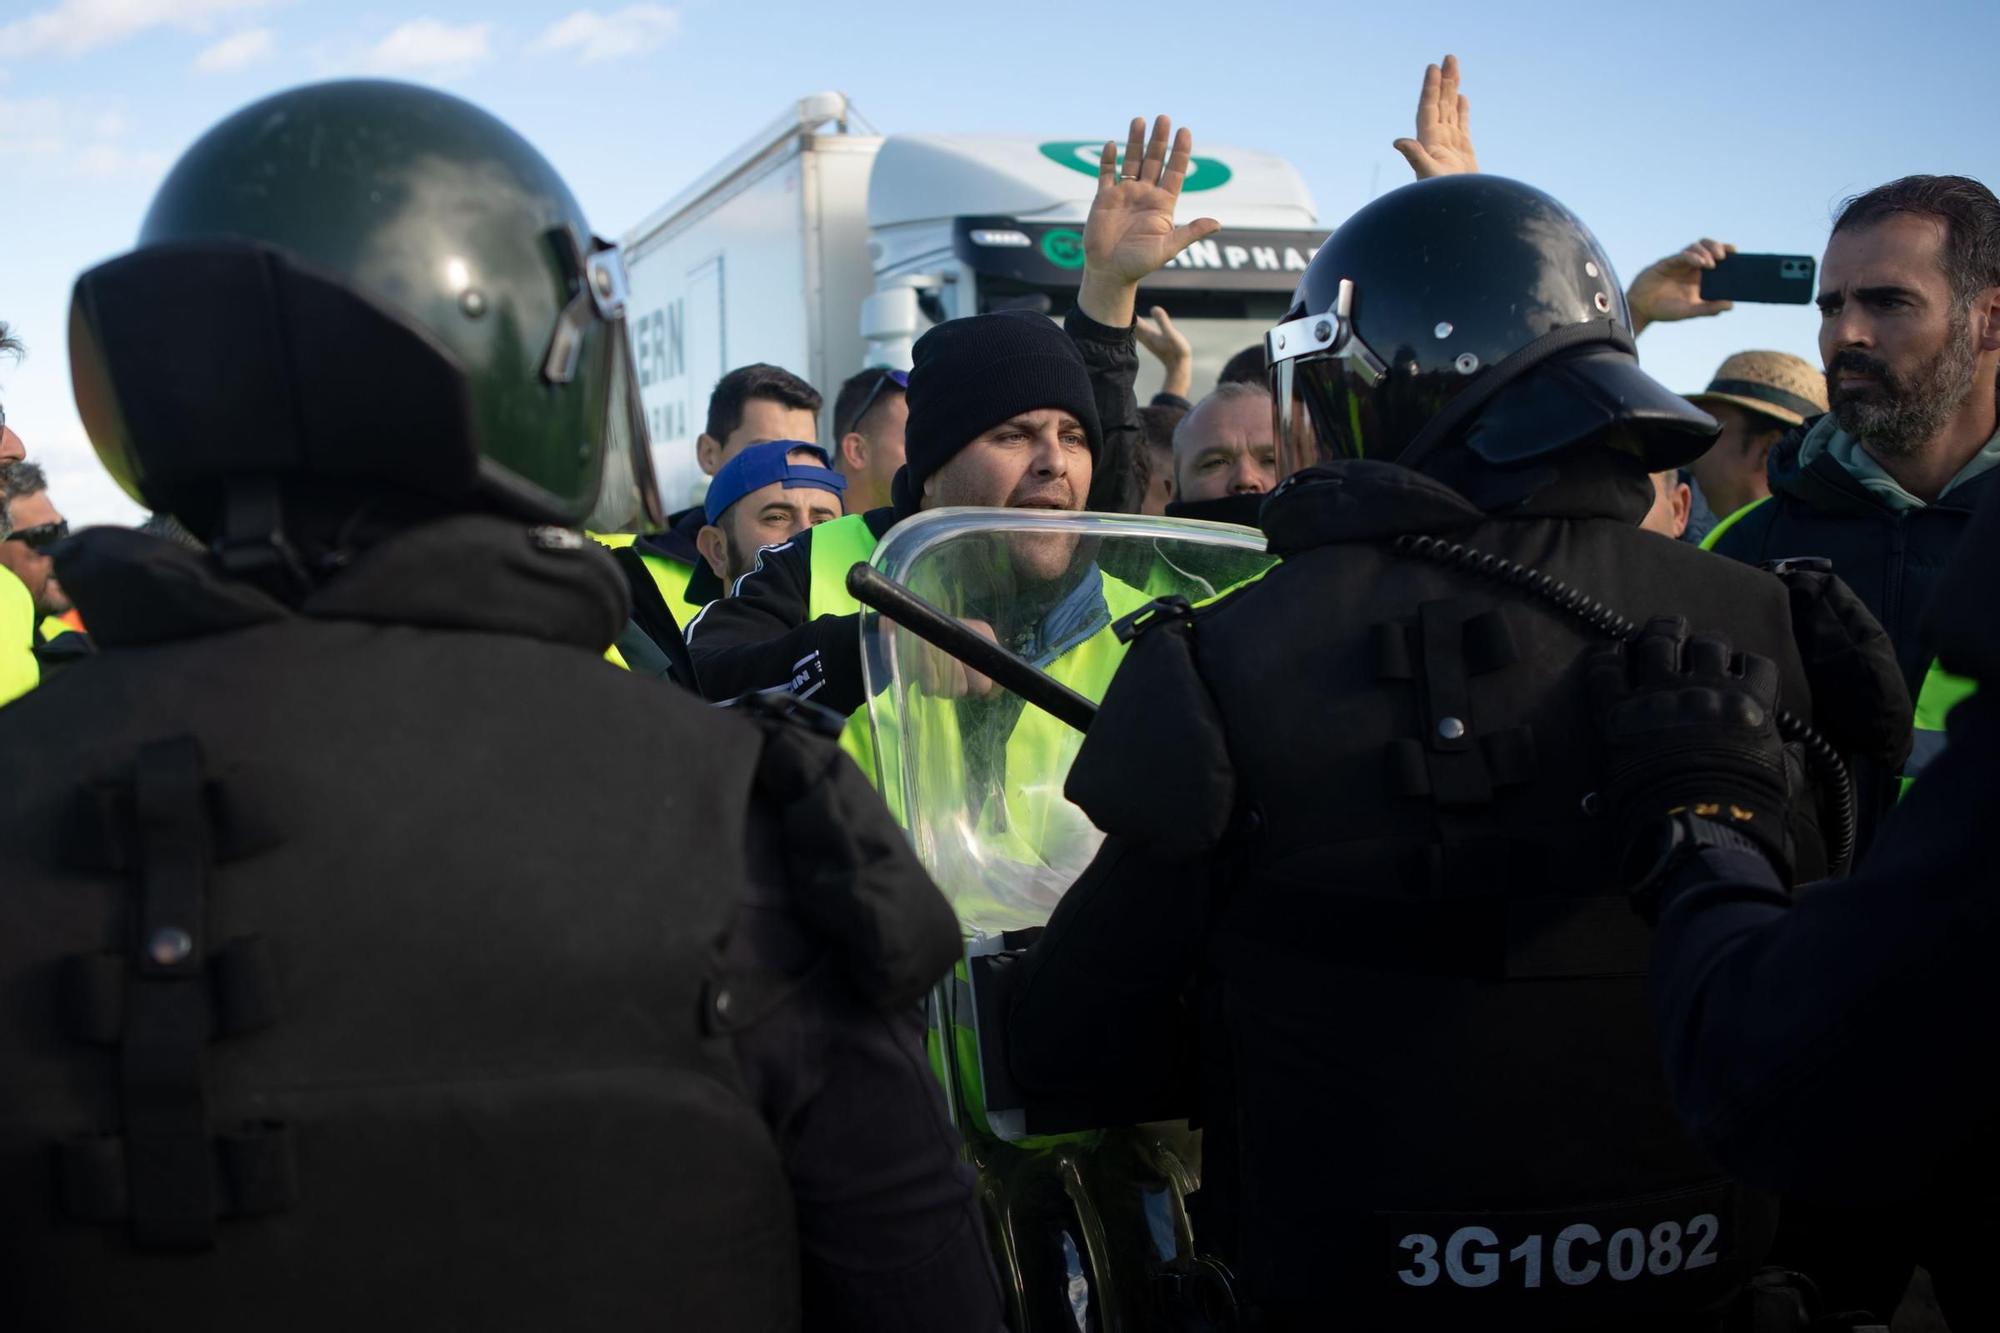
[836, 548]
[1715, 533]
[1941, 692]
[19, 671]
[669, 575]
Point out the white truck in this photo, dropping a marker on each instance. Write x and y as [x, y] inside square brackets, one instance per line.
[823, 251]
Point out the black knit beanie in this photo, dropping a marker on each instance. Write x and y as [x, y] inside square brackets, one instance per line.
[969, 375]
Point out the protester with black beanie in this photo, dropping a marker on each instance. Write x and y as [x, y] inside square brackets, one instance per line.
[971, 374]
[1002, 414]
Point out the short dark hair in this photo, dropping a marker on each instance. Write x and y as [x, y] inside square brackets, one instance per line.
[10, 342]
[17, 480]
[854, 392]
[773, 384]
[1968, 210]
[1246, 367]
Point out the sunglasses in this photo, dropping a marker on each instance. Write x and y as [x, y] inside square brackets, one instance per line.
[40, 538]
[899, 378]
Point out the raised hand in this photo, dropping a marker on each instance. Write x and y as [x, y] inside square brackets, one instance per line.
[1670, 288]
[1130, 233]
[943, 676]
[1157, 334]
[1443, 146]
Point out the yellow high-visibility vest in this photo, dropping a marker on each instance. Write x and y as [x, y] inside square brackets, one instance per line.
[669, 575]
[19, 672]
[1941, 692]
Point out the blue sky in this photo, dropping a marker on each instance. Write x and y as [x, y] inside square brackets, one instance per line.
[1656, 124]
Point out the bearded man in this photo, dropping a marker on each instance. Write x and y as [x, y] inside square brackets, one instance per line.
[1884, 483]
[1883, 486]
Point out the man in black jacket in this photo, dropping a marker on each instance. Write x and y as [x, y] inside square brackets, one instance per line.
[1884, 484]
[373, 945]
[1350, 820]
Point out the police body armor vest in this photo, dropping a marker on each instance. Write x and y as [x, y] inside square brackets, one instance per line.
[308, 1038]
[1448, 1106]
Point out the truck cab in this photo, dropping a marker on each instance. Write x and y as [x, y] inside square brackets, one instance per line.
[962, 225]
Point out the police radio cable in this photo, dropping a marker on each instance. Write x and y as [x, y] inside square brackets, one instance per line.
[1601, 619]
[871, 587]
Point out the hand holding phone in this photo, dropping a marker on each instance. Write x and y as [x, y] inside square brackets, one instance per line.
[1669, 289]
[1765, 279]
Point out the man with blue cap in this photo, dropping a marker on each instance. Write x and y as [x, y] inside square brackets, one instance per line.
[765, 496]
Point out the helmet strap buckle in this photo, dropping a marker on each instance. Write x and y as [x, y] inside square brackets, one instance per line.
[251, 543]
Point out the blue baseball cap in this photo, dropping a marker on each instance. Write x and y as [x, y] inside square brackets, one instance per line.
[759, 465]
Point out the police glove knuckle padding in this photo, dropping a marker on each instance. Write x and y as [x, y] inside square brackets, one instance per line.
[852, 875]
[1700, 734]
[1707, 657]
[1860, 699]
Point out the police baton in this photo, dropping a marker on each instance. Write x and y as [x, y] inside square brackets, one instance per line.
[872, 588]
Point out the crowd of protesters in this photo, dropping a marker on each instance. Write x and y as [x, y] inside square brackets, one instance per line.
[1874, 463]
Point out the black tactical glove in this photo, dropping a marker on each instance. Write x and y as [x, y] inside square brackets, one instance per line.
[1860, 701]
[1690, 729]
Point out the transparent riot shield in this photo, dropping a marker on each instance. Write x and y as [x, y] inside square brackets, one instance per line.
[1088, 1221]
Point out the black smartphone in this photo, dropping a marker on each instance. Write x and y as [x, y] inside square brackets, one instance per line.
[1771, 279]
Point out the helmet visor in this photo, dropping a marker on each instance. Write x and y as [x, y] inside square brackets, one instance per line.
[628, 494]
[1318, 368]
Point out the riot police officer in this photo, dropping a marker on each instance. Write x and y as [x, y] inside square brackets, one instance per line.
[1355, 906]
[371, 944]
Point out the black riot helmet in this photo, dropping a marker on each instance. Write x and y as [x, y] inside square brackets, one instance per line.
[1469, 312]
[361, 285]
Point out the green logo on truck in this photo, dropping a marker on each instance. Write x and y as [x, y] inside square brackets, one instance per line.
[1063, 247]
[1204, 173]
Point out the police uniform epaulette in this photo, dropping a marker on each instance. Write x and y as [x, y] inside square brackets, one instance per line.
[1159, 611]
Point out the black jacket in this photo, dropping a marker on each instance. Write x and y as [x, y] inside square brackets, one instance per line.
[1789, 1029]
[1892, 560]
[513, 991]
[761, 638]
[1361, 862]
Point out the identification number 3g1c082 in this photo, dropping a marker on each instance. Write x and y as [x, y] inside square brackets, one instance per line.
[1575, 1256]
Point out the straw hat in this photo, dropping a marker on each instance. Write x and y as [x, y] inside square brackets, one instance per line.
[1772, 384]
